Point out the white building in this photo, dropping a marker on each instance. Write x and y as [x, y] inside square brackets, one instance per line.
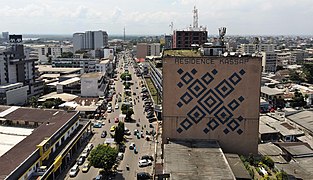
[252, 48]
[269, 61]
[87, 64]
[46, 52]
[108, 53]
[13, 94]
[92, 84]
[104, 66]
[90, 40]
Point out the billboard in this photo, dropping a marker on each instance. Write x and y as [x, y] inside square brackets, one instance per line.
[213, 98]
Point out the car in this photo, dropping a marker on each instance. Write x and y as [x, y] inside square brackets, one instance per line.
[86, 167]
[89, 147]
[132, 146]
[144, 162]
[74, 170]
[116, 120]
[80, 160]
[151, 125]
[150, 116]
[84, 154]
[104, 134]
[135, 150]
[136, 131]
[97, 125]
[112, 129]
[116, 106]
[143, 176]
[120, 156]
[109, 109]
[152, 119]
[99, 177]
[134, 93]
[147, 157]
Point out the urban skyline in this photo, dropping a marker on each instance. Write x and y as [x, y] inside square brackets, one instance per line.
[154, 17]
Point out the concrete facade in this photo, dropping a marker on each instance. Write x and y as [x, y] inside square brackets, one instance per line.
[212, 98]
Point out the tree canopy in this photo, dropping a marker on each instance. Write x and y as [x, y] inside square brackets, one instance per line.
[119, 132]
[103, 156]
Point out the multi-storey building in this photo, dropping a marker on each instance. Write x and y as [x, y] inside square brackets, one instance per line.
[269, 61]
[87, 64]
[253, 48]
[144, 49]
[93, 84]
[15, 68]
[191, 36]
[90, 40]
[44, 141]
[211, 97]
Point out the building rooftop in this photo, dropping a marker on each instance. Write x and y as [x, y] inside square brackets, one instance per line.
[298, 150]
[196, 160]
[97, 75]
[237, 166]
[54, 95]
[265, 129]
[16, 155]
[293, 168]
[304, 119]
[181, 53]
[49, 68]
[69, 81]
[271, 91]
[273, 151]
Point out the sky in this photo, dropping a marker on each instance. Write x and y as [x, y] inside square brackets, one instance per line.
[153, 17]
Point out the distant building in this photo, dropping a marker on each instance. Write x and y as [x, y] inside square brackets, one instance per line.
[90, 40]
[144, 49]
[93, 84]
[269, 61]
[186, 38]
[253, 48]
[5, 36]
[168, 42]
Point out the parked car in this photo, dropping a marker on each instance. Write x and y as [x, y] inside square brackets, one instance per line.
[116, 120]
[147, 157]
[86, 167]
[97, 125]
[116, 106]
[112, 129]
[132, 146]
[144, 163]
[120, 156]
[80, 160]
[104, 134]
[74, 170]
[109, 109]
[143, 176]
[99, 177]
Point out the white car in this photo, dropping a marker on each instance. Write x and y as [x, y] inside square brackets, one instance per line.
[74, 170]
[144, 163]
[116, 106]
[109, 109]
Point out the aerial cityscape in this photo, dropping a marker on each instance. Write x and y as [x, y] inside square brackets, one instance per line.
[173, 90]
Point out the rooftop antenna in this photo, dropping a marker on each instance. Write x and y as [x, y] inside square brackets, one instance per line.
[222, 32]
[195, 17]
[171, 26]
[124, 33]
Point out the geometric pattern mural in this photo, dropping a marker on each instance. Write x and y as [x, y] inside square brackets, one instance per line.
[209, 102]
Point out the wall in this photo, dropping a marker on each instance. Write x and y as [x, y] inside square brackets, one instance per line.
[213, 98]
[89, 87]
[17, 96]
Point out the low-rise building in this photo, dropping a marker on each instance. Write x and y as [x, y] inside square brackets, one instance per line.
[56, 137]
[13, 94]
[93, 84]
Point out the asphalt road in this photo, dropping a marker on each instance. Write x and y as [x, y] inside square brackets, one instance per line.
[143, 147]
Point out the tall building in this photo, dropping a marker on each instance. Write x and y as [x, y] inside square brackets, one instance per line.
[193, 35]
[211, 97]
[168, 42]
[269, 61]
[253, 48]
[90, 40]
[5, 36]
[15, 70]
[78, 41]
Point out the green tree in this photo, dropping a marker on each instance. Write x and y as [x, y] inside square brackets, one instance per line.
[48, 104]
[268, 161]
[119, 133]
[282, 175]
[298, 99]
[295, 76]
[307, 70]
[103, 156]
[67, 55]
[33, 101]
[126, 76]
